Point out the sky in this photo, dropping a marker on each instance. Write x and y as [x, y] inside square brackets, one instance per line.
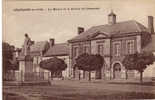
[62, 24]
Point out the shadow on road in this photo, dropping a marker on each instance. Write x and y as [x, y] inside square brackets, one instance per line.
[134, 83]
[12, 96]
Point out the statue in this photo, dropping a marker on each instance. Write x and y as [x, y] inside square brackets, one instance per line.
[26, 45]
[25, 60]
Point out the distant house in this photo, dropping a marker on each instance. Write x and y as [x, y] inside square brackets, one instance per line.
[112, 41]
[38, 49]
[60, 50]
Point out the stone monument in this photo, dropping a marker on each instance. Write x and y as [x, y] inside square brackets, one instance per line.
[26, 61]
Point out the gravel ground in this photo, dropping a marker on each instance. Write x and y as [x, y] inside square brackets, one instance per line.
[84, 90]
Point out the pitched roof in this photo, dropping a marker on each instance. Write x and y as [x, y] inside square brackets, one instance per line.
[38, 47]
[58, 50]
[130, 26]
[151, 45]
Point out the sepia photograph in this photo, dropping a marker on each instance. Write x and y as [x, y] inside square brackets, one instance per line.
[78, 49]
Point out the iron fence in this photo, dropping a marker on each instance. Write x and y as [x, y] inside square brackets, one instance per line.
[22, 76]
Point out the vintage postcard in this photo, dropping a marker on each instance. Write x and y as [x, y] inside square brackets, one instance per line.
[78, 49]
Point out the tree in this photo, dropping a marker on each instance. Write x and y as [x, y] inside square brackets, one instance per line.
[89, 62]
[9, 63]
[55, 65]
[139, 62]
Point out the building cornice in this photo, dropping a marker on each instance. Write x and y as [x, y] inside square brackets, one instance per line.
[56, 55]
[121, 35]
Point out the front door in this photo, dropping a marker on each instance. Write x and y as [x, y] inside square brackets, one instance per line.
[117, 71]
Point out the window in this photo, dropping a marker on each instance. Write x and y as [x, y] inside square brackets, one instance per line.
[35, 60]
[100, 50]
[130, 47]
[75, 52]
[86, 49]
[117, 49]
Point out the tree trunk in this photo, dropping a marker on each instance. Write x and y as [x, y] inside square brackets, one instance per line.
[126, 74]
[73, 72]
[60, 74]
[89, 75]
[110, 73]
[84, 74]
[52, 75]
[100, 73]
[141, 77]
[79, 75]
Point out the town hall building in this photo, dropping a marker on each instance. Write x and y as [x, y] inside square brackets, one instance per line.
[112, 41]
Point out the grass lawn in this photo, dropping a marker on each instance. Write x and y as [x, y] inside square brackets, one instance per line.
[79, 90]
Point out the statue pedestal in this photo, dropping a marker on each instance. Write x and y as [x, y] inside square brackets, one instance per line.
[25, 68]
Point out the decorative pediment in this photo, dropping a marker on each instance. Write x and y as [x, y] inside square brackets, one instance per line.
[99, 35]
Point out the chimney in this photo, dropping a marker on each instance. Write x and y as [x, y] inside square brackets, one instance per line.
[150, 24]
[51, 41]
[80, 30]
[112, 18]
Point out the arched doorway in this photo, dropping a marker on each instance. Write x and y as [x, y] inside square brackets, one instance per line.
[117, 71]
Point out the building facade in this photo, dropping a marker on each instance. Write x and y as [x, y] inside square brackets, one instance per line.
[112, 41]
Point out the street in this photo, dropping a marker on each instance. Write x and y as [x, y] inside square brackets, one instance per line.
[84, 90]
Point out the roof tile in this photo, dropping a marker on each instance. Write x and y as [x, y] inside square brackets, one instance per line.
[58, 50]
[38, 47]
[130, 26]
